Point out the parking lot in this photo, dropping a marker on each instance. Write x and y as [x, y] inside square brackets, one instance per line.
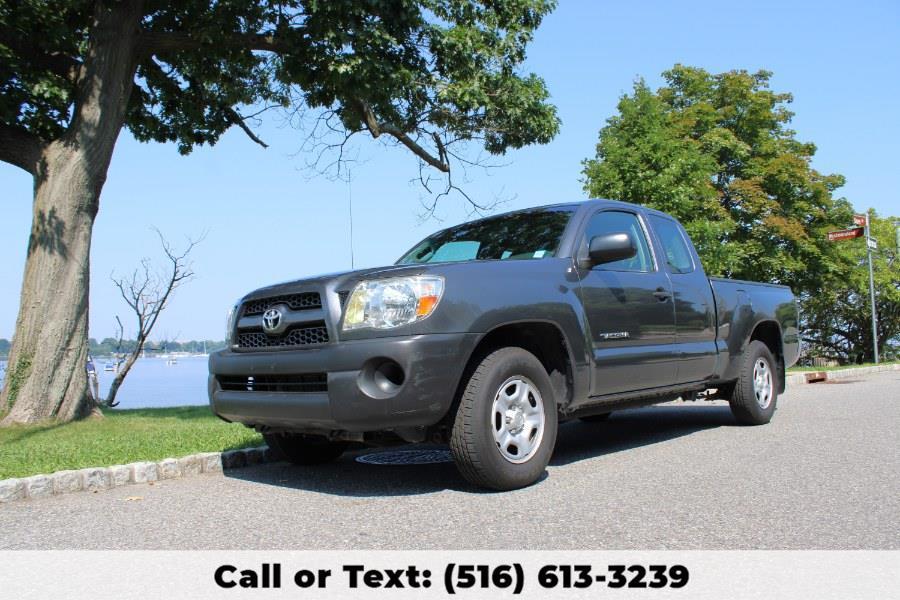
[824, 474]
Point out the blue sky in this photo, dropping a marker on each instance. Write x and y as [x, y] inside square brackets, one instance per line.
[267, 218]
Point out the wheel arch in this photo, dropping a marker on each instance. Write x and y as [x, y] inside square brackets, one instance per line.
[531, 335]
[769, 333]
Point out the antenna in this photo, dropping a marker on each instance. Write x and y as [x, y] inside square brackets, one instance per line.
[350, 201]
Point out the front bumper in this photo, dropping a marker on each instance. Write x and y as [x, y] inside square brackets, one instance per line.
[432, 366]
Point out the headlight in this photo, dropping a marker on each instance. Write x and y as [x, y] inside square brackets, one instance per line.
[389, 303]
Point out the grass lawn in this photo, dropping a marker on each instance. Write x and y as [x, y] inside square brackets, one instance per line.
[804, 369]
[122, 436]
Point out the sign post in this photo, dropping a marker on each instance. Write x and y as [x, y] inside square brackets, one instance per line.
[869, 247]
[863, 229]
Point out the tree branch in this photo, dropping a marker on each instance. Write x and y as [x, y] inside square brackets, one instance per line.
[233, 116]
[163, 42]
[58, 63]
[153, 42]
[376, 128]
[20, 148]
[238, 120]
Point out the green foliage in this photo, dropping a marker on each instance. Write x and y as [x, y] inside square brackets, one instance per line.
[423, 67]
[121, 436]
[716, 151]
[4, 347]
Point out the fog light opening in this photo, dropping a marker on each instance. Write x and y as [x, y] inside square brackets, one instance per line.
[388, 376]
[381, 378]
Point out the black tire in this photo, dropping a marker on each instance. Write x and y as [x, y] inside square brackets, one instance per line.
[595, 418]
[476, 453]
[745, 406]
[304, 449]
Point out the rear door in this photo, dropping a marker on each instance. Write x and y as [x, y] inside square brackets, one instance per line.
[629, 310]
[695, 317]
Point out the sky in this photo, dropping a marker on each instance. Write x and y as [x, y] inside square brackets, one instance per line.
[266, 217]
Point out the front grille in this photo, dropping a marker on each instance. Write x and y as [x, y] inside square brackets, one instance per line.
[306, 383]
[304, 301]
[303, 335]
[342, 298]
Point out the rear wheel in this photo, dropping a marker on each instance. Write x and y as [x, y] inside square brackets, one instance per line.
[305, 449]
[755, 393]
[505, 427]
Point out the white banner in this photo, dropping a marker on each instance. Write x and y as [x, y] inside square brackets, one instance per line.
[764, 575]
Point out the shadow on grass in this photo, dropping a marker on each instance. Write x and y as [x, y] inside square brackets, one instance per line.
[20, 433]
[577, 441]
[240, 446]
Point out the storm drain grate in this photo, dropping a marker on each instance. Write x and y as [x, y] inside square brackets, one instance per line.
[406, 457]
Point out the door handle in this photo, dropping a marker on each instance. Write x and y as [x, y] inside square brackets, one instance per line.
[662, 294]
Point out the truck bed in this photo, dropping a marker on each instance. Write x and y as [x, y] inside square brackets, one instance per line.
[741, 305]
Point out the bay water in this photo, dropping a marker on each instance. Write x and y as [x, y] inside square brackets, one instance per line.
[152, 383]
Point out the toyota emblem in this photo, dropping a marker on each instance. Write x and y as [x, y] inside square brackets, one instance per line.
[271, 320]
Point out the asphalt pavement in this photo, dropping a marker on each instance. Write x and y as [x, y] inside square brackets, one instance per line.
[825, 474]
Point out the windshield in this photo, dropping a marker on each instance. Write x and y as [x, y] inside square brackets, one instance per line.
[522, 235]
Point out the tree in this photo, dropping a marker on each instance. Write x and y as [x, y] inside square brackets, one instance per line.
[435, 76]
[148, 294]
[716, 152]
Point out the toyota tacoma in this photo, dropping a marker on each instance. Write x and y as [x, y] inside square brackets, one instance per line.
[489, 334]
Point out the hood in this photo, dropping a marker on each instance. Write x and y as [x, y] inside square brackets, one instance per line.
[338, 282]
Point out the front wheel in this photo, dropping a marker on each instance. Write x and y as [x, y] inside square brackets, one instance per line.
[304, 449]
[755, 393]
[505, 427]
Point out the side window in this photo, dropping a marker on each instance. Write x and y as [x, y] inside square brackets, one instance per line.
[677, 254]
[614, 221]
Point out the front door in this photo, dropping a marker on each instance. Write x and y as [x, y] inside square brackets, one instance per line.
[629, 309]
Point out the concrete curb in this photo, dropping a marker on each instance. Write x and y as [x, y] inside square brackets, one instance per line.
[826, 375]
[103, 478]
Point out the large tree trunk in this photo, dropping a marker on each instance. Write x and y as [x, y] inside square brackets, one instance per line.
[46, 375]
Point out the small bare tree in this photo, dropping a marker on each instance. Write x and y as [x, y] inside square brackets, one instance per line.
[148, 292]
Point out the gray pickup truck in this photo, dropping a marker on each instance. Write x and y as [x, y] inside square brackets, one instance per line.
[487, 335]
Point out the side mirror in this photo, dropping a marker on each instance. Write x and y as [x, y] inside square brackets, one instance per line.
[611, 247]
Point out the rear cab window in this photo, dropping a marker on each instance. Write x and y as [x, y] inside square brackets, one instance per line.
[674, 246]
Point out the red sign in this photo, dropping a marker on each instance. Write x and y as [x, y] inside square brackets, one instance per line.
[845, 234]
[859, 220]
